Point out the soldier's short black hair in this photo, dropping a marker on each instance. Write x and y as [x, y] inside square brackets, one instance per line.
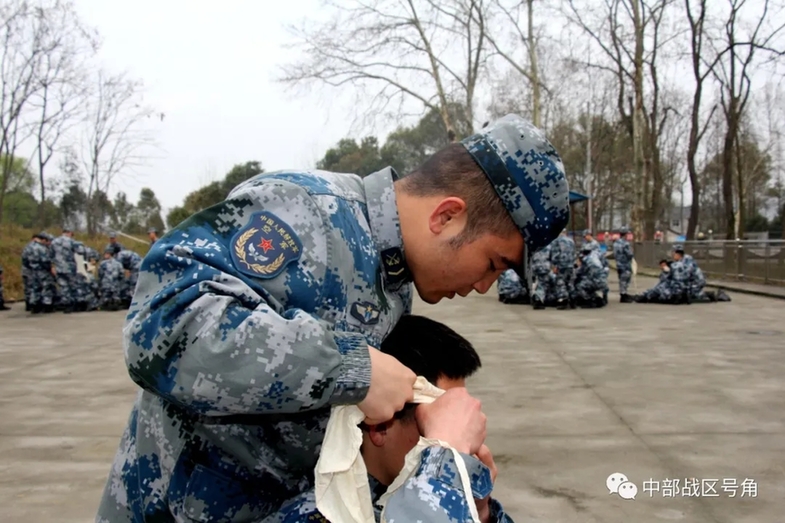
[452, 171]
[664, 261]
[430, 349]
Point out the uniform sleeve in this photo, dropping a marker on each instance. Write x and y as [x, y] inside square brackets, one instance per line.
[628, 251]
[434, 492]
[210, 338]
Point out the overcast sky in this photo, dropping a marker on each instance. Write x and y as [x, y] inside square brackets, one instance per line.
[210, 67]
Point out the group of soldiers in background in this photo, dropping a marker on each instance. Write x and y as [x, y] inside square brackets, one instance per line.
[62, 274]
[565, 280]
[680, 281]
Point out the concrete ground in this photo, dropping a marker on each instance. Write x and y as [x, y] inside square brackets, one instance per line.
[654, 392]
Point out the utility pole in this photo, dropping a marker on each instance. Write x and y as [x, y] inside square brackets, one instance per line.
[587, 173]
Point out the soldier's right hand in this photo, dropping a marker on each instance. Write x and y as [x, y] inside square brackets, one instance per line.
[392, 386]
[455, 418]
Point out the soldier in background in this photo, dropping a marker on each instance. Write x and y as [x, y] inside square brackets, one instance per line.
[696, 281]
[662, 292]
[27, 278]
[2, 296]
[544, 279]
[622, 253]
[42, 292]
[63, 249]
[590, 279]
[86, 279]
[563, 261]
[131, 263]
[152, 234]
[512, 289]
[595, 246]
[113, 244]
[110, 282]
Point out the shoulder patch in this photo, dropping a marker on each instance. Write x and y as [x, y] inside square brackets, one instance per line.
[265, 246]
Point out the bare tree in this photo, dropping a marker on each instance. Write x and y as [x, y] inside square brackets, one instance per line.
[510, 15]
[697, 22]
[115, 136]
[57, 103]
[734, 70]
[25, 41]
[428, 51]
[624, 55]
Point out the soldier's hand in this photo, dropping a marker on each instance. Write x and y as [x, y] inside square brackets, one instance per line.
[392, 386]
[484, 504]
[455, 418]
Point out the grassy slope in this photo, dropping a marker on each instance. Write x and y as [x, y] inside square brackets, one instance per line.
[13, 239]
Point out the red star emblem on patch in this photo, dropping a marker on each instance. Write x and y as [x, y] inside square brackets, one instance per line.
[266, 245]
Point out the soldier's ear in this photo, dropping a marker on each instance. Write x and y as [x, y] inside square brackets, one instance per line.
[447, 213]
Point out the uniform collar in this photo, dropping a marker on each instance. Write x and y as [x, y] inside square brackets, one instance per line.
[386, 226]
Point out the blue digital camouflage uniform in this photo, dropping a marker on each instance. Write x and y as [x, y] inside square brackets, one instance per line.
[622, 253]
[277, 293]
[444, 489]
[510, 287]
[42, 291]
[115, 247]
[111, 281]
[590, 277]
[544, 286]
[253, 317]
[680, 280]
[63, 249]
[563, 258]
[131, 262]
[662, 292]
[27, 277]
[697, 279]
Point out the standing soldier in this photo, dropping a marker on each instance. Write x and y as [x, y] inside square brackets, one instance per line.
[152, 233]
[110, 282]
[27, 278]
[63, 249]
[563, 261]
[131, 263]
[622, 252]
[42, 291]
[2, 296]
[113, 244]
[254, 317]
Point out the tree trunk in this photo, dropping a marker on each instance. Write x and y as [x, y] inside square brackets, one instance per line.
[727, 172]
[742, 212]
[638, 125]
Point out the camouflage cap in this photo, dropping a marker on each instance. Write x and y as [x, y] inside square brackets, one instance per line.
[112, 234]
[527, 174]
[587, 232]
[677, 247]
[152, 229]
[624, 230]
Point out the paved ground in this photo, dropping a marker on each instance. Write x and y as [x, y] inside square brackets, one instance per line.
[654, 392]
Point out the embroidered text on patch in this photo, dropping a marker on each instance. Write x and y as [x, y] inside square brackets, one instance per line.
[265, 246]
